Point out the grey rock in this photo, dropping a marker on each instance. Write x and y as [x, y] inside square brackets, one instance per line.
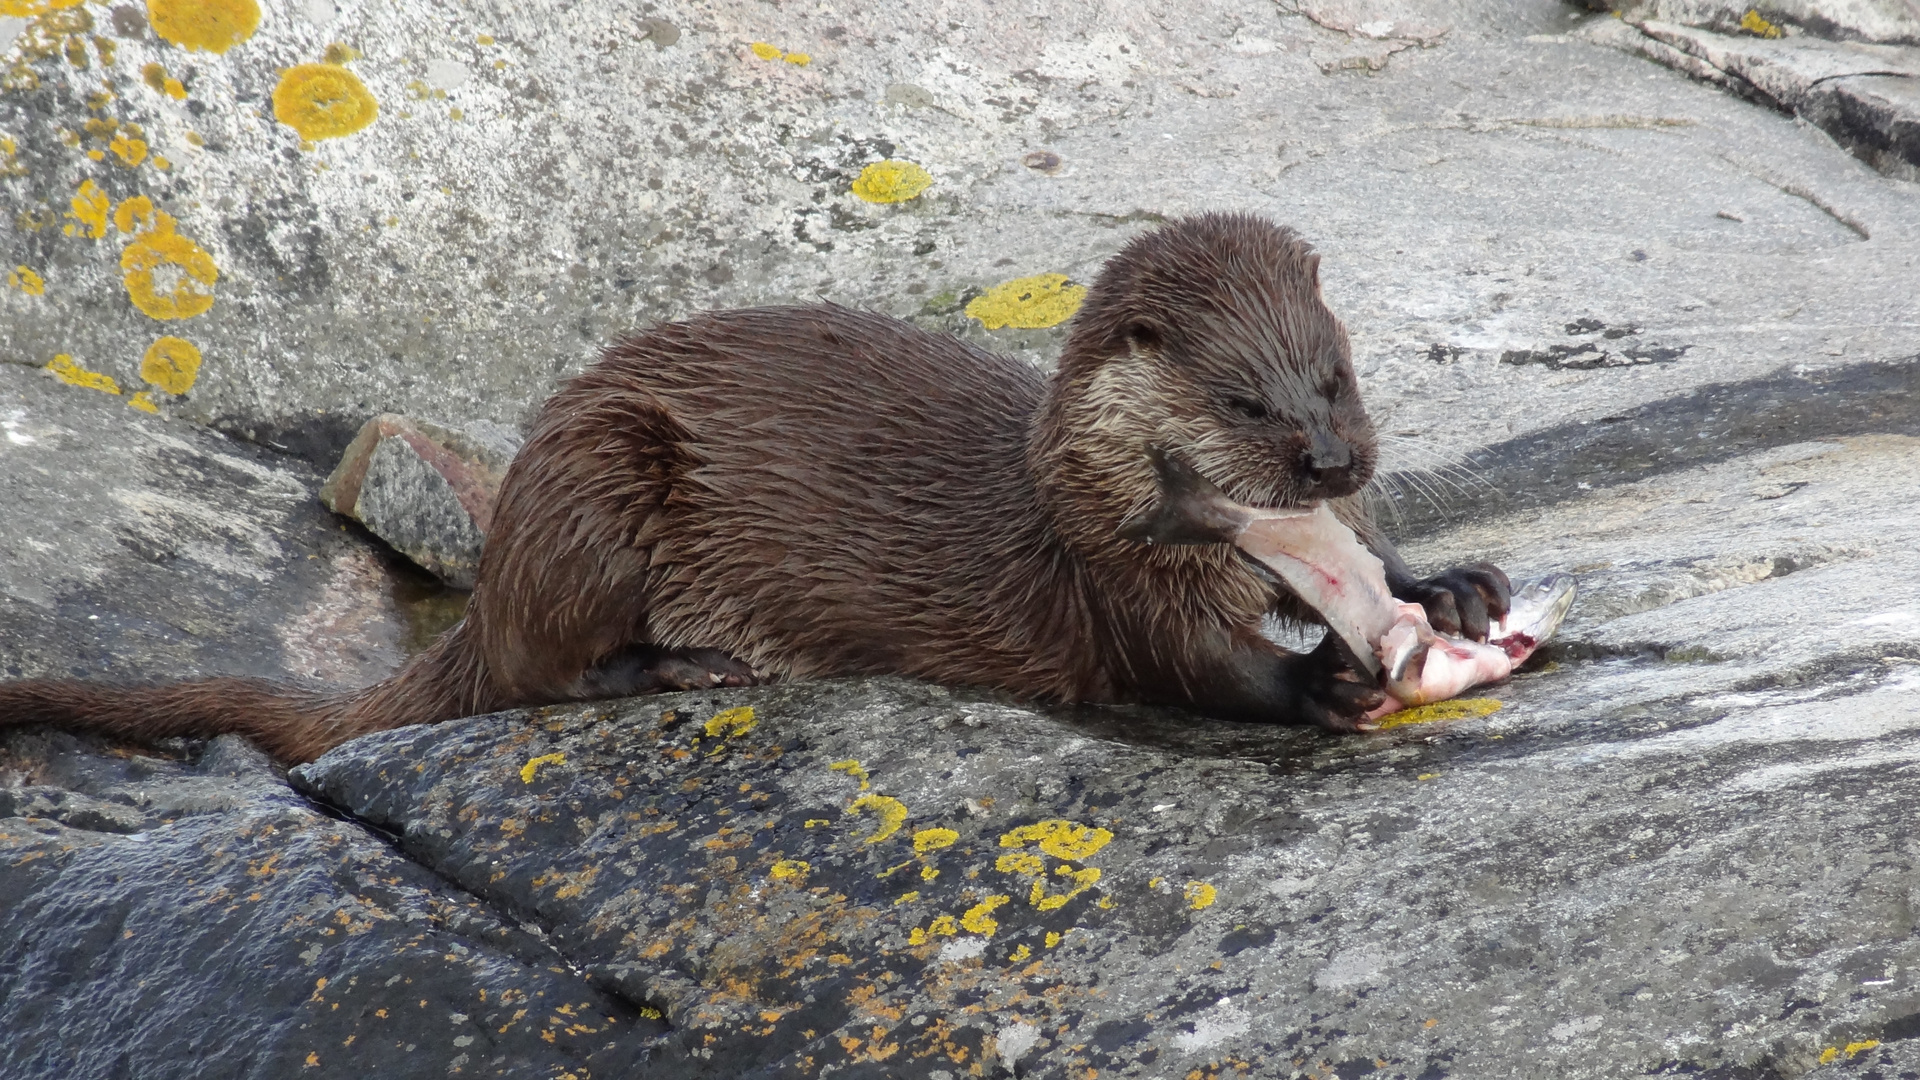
[1861, 94]
[426, 490]
[137, 547]
[1886, 22]
[1477, 192]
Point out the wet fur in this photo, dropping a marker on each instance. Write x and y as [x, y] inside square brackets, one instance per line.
[819, 491]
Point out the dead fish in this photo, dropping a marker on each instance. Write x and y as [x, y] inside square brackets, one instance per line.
[1322, 561]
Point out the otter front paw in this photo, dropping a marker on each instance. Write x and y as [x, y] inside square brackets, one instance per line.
[1465, 600]
[1332, 692]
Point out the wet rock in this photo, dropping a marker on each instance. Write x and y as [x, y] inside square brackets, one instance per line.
[140, 945]
[426, 490]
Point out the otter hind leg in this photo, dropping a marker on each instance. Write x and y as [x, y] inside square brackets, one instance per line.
[651, 669]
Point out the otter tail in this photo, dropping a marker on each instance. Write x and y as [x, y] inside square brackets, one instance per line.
[291, 723]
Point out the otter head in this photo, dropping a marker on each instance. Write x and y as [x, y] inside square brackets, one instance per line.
[1206, 339]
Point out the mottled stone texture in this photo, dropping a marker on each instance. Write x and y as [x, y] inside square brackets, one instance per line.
[426, 490]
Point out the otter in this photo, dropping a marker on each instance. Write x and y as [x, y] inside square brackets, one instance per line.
[795, 492]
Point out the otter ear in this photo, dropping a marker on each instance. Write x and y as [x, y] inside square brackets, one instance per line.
[1313, 271]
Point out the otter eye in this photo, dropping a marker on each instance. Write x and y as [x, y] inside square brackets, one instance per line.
[1143, 336]
[1247, 407]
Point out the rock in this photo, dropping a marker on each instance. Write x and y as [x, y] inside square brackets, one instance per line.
[1861, 93]
[217, 901]
[425, 489]
[136, 547]
[589, 171]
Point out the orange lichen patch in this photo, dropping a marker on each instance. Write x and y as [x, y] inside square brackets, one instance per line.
[323, 101]
[131, 152]
[933, 839]
[891, 811]
[67, 371]
[789, 870]
[155, 76]
[979, 918]
[171, 364]
[853, 768]
[213, 25]
[1199, 895]
[891, 182]
[167, 275]
[732, 723]
[24, 279]
[27, 9]
[89, 211]
[1059, 838]
[533, 765]
[1457, 709]
[1028, 303]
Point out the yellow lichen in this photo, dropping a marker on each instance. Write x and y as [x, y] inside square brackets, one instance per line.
[891, 182]
[933, 839]
[1059, 838]
[131, 152]
[213, 25]
[89, 211]
[907, 898]
[171, 364]
[341, 53]
[1756, 24]
[789, 869]
[137, 215]
[144, 402]
[891, 811]
[732, 723]
[1053, 939]
[979, 918]
[853, 768]
[1028, 303]
[765, 51]
[798, 59]
[1023, 863]
[1200, 895]
[27, 9]
[155, 76]
[928, 873]
[67, 371]
[1019, 954]
[1082, 881]
[167, 275]
[533, 765]
[1457, 709]
[323, 101]
[24, 279]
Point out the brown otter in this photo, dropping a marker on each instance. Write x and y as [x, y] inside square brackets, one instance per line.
[810, 491]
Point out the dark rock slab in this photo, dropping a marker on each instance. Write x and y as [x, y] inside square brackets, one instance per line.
[880, 878]
[190, 916]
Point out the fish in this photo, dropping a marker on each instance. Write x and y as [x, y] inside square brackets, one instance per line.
[1324, 563]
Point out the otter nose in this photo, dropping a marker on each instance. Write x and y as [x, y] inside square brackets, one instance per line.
[1329, 462]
